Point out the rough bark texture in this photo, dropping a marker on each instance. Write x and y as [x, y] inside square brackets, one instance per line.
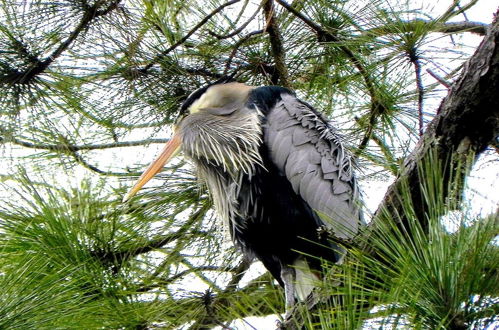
[276, 45]
[466, 123]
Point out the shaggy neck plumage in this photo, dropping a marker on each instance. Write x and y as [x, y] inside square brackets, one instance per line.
[222, 153]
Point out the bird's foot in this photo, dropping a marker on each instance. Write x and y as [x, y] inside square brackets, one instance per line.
[288, 323]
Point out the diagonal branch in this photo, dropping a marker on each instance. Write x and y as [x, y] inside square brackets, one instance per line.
[238, 30]
[236, 47]
[451, 12]
[156, 243]
[39, 66]
[187, 36]
[80, 160]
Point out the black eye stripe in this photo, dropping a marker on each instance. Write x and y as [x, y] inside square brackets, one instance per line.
[192, 98]
[197, 94]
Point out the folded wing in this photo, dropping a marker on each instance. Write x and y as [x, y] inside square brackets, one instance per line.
[305, 148]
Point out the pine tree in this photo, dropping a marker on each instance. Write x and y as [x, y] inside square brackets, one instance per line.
[88, 89]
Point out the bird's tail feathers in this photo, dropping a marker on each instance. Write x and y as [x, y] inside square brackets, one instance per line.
[306, 279]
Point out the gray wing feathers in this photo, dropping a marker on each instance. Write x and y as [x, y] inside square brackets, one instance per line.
[306, 149]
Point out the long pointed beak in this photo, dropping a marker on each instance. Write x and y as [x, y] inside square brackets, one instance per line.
[170, 150]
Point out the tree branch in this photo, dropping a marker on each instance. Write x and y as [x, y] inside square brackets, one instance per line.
[223, 300]
[276, 44]
[414, 58]
[441, 80]
[314, 26]
[376, 106]
[236, 47]
[39, 66]
[450, 12]
[238, 30]
[153, 244]
[80, 160]
[187, 36]
[72, 147]
[444, 27]
[466, 123]
[160, 282]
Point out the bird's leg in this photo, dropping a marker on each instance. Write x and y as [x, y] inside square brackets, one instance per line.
[288, 276]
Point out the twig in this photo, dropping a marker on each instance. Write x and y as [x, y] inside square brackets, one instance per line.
[390, 159]
[414, 58]
[221, 300]
[456, 4]
[184, 232]
[239, 272]
[236, 47]
[367, 136]
[187, 36]
[238, 30]
[79, 159]
[314, 26]
[157, 243]
[162, 282]
[203, 72]
[464, 13]
[438, 78]
[72, 148]
[444, 27]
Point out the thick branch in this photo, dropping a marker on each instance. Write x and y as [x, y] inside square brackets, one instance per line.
[276, 44]
[467, 122]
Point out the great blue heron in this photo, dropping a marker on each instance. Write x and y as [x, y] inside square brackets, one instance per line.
[278, 175]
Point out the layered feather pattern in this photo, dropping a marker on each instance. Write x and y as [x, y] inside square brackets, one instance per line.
[310, 154]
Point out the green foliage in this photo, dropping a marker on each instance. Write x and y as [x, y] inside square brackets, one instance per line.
[439, 276]
[86, 91]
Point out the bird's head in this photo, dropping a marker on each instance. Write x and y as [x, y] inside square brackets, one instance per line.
[217, 100]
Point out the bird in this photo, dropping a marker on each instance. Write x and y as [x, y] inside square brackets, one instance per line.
[278, 174]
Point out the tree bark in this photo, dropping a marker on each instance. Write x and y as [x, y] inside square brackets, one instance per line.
[467, 122]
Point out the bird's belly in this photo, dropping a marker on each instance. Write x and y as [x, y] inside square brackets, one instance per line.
[276, 225]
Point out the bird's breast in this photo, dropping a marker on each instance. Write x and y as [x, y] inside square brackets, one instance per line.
[227, 142]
